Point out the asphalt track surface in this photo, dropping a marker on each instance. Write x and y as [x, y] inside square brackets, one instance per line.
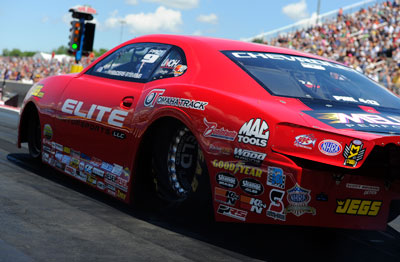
[48, 216]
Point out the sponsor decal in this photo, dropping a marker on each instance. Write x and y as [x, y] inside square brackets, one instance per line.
[110, 178]
[252, 204]
[95, 162]
[368, 190]
[121, 195]
[111, 187]
[82, 166]
[126, 174]
[74, 163]
[330, 147]
[47, 149]
[100, 185]
[59, 156]
[117, 170]
[118, 134]
[317, 64]
[232, 212]
[106, 166]
[97, 172]
[75, 153]
[67, 150]
[110, 192]
[70, 170]
[88, 169]
[155, 97]
[249, 156]
[353, 153]
[179, 70]
[226, 180]
[66, 159]
[91, 180]
[58, 147]
[47, 132]
[85, 157]
[59, 165]
[305, 141]
[237, 168]
[358, 207]
[276, 209]
[276, 177]
[81, 176]
[114, 117]
[213, 131]
[352, 99]
[45, 157]
[298, 199]
[322, 197]
[149, 58]
[170, 63]
[47, 142]
[251, 186]
[219, 149]
[226, 196]
[36, 91]
[360, 121]
[254, 132]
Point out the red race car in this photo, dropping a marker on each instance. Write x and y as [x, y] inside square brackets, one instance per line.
[269, 135]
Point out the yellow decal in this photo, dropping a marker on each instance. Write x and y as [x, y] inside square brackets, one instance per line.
[358, 207]
[237, 168]
[37, 91]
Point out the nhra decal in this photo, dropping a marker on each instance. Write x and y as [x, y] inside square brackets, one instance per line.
[155, 97]
[237, 168]
[249, 156]
[353, 153]
[251, 186]
[298, 199]
[225, 196]
[360, 207]
[305, 141]
[330, 147]
[226, 180]
[276, 209]
[232, 212]
[213, 131]
[252, 204]
[275, 177]
[254, 132]
[95, 112]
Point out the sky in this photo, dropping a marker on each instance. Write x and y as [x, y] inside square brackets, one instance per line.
[43, 25]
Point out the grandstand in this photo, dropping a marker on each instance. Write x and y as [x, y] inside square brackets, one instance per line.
[365, 36]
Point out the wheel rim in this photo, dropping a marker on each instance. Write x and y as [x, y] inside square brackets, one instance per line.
[182, 163]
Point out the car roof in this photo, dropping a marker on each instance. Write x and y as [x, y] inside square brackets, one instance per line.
[220, 44]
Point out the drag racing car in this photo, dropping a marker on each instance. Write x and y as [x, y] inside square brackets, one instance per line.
[267, 135]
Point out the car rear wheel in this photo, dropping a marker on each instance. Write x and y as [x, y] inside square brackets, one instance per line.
[180, 173]
[34, 137]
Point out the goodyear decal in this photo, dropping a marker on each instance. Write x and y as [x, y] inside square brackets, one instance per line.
[237, 168]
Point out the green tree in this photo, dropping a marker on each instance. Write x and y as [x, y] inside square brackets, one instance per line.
[61, 50]
[99, 52]
[258, 40]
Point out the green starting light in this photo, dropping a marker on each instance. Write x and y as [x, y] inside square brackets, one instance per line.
[74, 46]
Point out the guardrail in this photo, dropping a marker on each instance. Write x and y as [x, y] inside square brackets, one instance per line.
[13, 92]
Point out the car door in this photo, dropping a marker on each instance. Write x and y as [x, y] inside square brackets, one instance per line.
[95, 112]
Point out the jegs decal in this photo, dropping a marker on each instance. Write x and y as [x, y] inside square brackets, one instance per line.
[359, 207]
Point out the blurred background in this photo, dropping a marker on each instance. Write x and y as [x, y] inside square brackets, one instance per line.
[36, 35]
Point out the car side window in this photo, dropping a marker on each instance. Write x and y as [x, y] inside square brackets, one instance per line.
[135, 62]
[173, 65]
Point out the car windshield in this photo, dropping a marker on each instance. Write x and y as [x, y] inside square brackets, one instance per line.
[301, 77]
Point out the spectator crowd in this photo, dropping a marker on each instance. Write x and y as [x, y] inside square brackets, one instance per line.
[367, 40]
[32, 70]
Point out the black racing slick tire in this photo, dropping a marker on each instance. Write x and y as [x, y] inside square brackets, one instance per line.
[394, 210]
[34, 137]
[180, 173]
